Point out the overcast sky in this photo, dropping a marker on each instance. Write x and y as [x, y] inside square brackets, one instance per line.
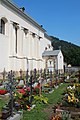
[60, 18]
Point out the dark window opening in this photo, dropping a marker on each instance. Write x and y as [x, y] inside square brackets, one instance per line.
[2, 26]
[16, 39]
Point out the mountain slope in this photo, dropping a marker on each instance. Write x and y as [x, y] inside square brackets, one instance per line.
[70, 51]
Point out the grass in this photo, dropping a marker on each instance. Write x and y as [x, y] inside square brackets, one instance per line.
[38, 112]
[2, 103]
[56, 95]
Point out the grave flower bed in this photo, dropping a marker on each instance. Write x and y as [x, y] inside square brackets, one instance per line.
[70, 105]
[22, 99]
[72, 96]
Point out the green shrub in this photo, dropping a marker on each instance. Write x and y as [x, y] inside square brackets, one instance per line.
[40, 98]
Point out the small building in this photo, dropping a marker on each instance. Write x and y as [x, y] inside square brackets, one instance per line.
[54, 60]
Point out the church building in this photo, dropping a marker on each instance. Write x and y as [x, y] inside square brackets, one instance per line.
[22, 39]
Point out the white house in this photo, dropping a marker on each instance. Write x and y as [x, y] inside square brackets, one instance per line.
[54, 60]
[22, 40]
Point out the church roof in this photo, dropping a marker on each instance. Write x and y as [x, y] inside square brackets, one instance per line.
[14, 7]
[50, 53]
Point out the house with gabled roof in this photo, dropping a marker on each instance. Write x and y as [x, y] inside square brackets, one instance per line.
[54, 60]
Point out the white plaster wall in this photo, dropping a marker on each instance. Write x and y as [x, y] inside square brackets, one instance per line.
[27, 45]
[60, 61]
[56, 63]
[43, 43]
[3, 52]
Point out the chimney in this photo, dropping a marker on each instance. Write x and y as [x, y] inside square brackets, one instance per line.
[22, 9]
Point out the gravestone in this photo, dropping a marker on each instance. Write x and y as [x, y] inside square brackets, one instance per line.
[78, 75]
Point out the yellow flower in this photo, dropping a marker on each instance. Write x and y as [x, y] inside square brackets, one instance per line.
[69, 98]
[15, 95]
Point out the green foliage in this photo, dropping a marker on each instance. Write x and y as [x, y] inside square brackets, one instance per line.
[65, 103]
[2, 103]
[37, 90]
[18, 95]
[40, 98]
[38, 112]
[65, 116]
[70, 51]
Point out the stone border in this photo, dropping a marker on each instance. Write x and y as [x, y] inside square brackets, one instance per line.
[17, 116]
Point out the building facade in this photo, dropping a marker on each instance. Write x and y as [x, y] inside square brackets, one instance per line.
[22, 40]
[54, 60]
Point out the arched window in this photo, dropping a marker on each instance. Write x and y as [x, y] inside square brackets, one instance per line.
[2, 26]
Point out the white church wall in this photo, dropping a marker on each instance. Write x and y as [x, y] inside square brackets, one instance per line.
[27, 45]
[3, 50]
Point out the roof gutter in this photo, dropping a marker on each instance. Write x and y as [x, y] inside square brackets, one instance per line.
[24, 15]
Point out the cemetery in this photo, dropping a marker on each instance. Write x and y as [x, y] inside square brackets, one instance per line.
[34, 83]
[23, 95]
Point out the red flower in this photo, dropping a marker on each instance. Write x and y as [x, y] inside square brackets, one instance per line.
[38, 86]
[28, 89]
[2, 92]
[22, 91]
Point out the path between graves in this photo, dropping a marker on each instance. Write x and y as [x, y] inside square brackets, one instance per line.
[49, 109]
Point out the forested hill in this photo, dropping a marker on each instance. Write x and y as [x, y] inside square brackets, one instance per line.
[71, 52]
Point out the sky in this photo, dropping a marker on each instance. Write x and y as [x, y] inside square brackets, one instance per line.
[60, 18]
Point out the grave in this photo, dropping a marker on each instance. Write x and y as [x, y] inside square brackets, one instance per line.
[8, 111]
